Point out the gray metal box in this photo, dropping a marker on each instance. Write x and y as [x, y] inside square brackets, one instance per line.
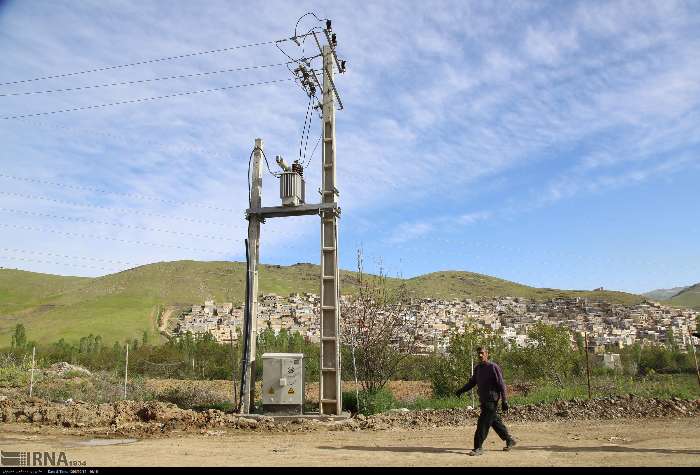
[283, 383]
[292, 189]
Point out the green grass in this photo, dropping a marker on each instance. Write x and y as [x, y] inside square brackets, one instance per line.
[661, 386]
[124, 305]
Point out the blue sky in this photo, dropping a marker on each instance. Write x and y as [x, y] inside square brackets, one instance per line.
[556, 144]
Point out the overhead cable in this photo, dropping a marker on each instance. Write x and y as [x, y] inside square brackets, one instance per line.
[168, 58]
[108, 208]
[140, 81]
[144, 99]
[47, 232]
[42, 261]
[128, 195]
[107, 223]
[109, 261]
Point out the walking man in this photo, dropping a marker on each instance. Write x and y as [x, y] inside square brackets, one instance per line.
[490, 386]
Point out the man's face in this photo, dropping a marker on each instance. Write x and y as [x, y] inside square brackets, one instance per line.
[483, 355]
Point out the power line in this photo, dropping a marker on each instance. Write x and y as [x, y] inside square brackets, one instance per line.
[97, 190]
[314, 150]
[42, 261]
[127, 226]
[303, 130]
[168, 58]
[107, 208]
[46, 232]
[109, 261]
[144, 99]
[140, 81]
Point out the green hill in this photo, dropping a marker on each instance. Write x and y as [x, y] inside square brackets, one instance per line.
[457, 284]
[664, 294]
[123, 305]
[689, 297]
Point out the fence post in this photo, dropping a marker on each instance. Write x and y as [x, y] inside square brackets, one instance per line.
[233, 369]
[697, 371]
[126, 368]
[588, 366]
[31, 376]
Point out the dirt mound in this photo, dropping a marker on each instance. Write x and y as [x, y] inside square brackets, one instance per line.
[629, 407]
[154, 417]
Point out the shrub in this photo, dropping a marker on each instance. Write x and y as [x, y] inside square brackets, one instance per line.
[369, 403]
[189, 396]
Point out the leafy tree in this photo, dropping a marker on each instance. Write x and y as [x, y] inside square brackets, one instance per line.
[453, 370]
[548, 354]
[379, 327]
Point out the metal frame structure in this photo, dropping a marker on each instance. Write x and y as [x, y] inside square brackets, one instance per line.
[330, 400]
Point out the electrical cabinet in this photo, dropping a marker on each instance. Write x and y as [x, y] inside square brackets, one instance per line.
[283, 383]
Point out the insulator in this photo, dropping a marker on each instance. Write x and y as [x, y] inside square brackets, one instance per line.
[328, 25]
[298, 168]
[334, 40]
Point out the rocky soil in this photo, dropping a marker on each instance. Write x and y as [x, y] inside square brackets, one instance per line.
[153, 418]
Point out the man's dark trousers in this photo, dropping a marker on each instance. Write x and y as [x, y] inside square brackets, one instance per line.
[489, 418]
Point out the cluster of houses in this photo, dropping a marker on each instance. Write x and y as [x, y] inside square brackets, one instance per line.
[607, 325]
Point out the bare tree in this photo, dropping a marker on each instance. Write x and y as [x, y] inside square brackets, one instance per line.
[380, 327]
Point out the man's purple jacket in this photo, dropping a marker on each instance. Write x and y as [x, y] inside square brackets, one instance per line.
[488, 378]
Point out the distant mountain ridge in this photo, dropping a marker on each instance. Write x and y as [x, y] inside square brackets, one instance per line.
[664, 294]
[688, 297]
[124, 305]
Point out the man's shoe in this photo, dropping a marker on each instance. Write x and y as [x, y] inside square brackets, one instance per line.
[510, 443]
[476, 452]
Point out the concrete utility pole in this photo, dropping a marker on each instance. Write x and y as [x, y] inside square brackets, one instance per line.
[250, 336]
[330, 396]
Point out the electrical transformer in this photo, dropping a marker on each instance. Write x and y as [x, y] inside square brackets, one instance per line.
[292, 185]
[283, 383]
[292, 188]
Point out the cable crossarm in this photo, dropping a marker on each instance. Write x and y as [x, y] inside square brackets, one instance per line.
[144, 99]
[165, 78]
[149, 61]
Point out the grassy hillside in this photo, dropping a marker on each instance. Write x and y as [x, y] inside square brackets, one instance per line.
[454, 284]
[123, 305]
[690, 298]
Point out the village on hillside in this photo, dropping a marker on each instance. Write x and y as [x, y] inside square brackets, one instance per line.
[609, 326]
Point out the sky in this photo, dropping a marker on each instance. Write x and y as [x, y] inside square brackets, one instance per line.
[555, 144]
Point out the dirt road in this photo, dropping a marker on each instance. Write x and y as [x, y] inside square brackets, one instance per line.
[625, 442]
